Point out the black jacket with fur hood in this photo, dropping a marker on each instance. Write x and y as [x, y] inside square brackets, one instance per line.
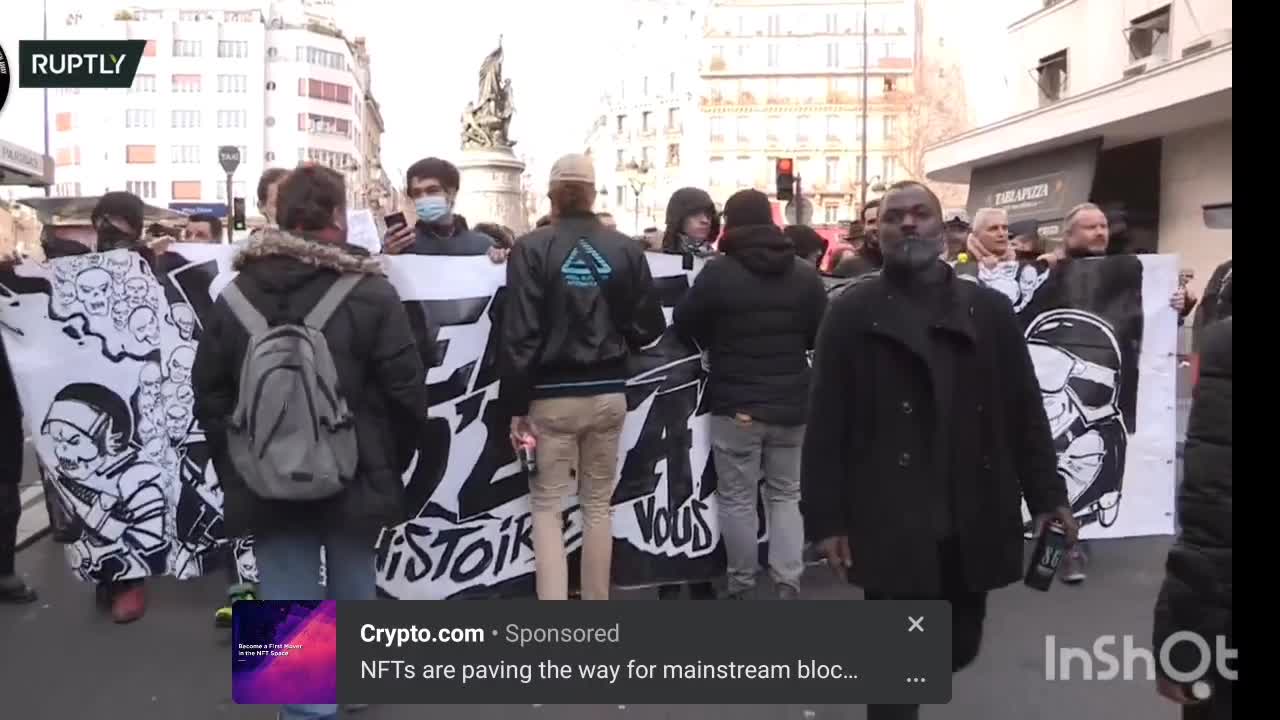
[380, 374]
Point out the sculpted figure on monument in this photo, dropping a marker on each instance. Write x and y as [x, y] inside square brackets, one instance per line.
[485, 123]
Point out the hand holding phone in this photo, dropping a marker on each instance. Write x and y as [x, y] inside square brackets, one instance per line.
[400, 234]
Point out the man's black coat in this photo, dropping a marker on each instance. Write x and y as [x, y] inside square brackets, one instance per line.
[868, 465]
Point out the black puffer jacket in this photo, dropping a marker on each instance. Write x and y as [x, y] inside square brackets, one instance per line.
[574, 312]
[380, 373]
[1196, 595]
[756, 311]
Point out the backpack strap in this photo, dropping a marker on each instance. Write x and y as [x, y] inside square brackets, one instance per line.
[332, 298]
[245, 312]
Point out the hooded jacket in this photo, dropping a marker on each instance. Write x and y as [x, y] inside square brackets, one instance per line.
[683, 203]
[756, 312]
[380, 374]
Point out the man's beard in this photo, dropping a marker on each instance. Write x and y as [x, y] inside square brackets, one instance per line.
[914, 253]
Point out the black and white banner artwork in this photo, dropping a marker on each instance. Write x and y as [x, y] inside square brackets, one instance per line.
[1103, 338]
[101, 349]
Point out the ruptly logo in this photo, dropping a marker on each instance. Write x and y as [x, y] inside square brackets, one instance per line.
[79, 63]
[4, 78]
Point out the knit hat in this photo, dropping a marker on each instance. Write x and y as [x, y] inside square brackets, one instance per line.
[747, 207]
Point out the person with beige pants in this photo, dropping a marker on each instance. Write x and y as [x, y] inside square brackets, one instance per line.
[579, 301]
[575, 433]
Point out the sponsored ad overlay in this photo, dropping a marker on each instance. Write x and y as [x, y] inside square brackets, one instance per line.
[643, 652]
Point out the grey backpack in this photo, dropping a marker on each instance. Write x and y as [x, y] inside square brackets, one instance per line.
[292, 436]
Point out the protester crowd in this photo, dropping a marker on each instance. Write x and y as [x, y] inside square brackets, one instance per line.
[888, 409]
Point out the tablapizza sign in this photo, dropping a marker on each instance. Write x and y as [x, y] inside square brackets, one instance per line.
[1041, 196]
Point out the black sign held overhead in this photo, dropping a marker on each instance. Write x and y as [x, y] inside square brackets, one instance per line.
[229, 158]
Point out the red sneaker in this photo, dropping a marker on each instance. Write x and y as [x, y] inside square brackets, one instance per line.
[129, 603]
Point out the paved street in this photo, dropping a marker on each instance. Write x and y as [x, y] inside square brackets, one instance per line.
[61, 659]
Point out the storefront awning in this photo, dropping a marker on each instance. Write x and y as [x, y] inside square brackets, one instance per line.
[1041, 187]
[20, 166]
[76, 211]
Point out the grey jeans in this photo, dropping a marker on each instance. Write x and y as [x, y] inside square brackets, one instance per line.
[746, 450]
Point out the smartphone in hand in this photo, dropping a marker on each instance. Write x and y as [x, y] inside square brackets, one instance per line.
[395, 220]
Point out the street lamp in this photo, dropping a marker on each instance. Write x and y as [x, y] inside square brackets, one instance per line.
[636, 174]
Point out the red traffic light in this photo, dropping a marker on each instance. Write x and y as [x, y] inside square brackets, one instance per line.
[786, 179]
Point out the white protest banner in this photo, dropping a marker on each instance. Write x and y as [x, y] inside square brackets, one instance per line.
[101, 348]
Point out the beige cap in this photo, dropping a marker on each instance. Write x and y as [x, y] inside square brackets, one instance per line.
[574, 168]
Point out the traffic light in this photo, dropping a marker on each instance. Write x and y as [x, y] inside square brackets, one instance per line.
[786, 178]
[237, 214]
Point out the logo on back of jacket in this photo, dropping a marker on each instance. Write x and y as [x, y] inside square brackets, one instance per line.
[576, 271]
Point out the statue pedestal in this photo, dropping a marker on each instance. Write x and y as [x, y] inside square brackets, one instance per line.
[490, 189]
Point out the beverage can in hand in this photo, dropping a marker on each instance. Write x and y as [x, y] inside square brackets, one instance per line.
[528, 456]
[1051, 546]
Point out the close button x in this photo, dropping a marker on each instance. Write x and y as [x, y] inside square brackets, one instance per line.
[916, 623]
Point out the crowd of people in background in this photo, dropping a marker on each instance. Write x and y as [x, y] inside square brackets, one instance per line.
[889, 408]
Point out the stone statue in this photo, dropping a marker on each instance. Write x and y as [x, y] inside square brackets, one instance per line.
[485, 122]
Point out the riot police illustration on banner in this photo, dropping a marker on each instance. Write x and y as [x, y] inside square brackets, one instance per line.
[111, 502]
[1077, 360]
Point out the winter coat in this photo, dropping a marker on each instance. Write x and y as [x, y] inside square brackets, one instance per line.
[870, 441]
[380, 374]
[756, 312]
[567, 330]
[463, 241]
[1196, 594]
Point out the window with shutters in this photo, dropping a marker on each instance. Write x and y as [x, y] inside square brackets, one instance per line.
[186, 48]
[139, 118]
[323, 58]
[185, 118]
[233, 83]
[184, 154]
[62, 121]
[186, 83]
[232, 118]
[324, 125]
[233, 48]
[145, 189]
[143, 84]
[321, 90]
